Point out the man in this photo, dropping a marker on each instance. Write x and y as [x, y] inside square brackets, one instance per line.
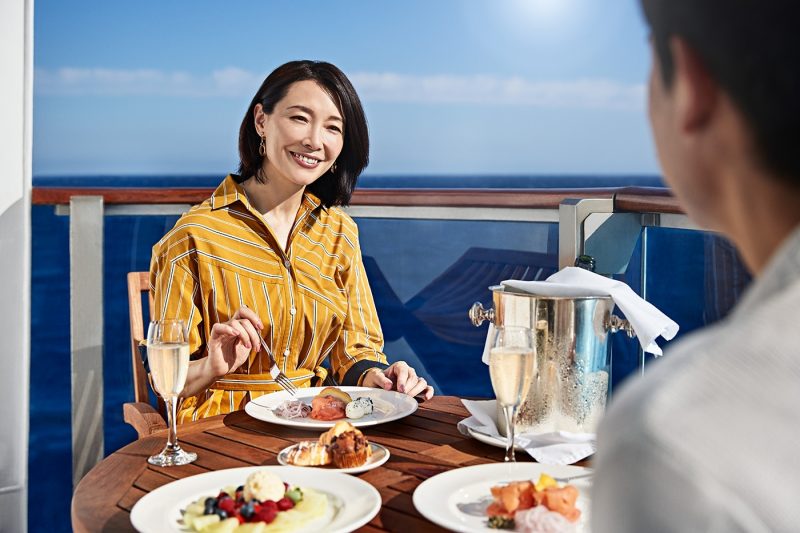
[709, 439]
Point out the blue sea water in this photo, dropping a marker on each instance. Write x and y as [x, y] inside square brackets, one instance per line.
[402, 251]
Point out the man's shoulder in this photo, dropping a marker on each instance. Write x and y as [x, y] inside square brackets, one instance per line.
[718, 414]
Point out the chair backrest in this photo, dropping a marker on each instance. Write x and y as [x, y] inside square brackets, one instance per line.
[138, 282]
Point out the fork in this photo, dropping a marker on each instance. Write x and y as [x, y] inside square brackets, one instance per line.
[279, 377]
[572, 478]
[565, 479]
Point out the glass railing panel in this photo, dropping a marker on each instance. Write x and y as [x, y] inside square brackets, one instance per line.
[695, 277]
[127, 245]
[426, 274]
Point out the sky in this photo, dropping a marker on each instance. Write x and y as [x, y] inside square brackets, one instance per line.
[515, 87]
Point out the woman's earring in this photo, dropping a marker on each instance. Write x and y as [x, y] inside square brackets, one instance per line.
[333, 168]
[262, 146]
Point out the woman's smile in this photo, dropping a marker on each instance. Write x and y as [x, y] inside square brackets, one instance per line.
[305, 161]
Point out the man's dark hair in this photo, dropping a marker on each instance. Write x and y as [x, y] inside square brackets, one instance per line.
[335, 187]
[752, 49]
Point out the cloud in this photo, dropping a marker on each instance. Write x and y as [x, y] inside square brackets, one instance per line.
[376, 87]
[495, 90]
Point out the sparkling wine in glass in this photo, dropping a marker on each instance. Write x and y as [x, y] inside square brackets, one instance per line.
[511, 367]
[168, 356]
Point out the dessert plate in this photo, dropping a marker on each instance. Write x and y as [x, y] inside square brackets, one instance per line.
[380, 455]
[388, 406]
[352, 502]
[457, 499]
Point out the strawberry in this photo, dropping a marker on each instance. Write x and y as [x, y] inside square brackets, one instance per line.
[284, 504]
[227, 505]
[266, 515]
[269, 504]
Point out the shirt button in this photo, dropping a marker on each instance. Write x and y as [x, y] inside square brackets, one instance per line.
[287, 263]
[286, 352]
[292, 311]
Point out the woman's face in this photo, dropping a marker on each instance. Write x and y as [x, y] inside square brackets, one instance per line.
[304, 134]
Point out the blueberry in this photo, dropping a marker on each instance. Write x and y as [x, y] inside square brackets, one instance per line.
[247, 510]
[222, 514]
[210, 506]
[240, 488]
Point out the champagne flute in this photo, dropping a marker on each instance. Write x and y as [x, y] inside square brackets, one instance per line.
[168, 356]
[511, 366]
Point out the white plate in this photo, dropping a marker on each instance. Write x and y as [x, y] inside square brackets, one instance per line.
[499, 442]
[389, 406]
[438, 498]
[379, 456]
[355, 502]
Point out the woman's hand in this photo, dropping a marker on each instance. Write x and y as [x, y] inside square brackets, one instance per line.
[231, 342]
[399, 377]
[229, 346]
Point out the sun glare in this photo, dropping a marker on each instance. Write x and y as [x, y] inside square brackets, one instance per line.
[551, 16]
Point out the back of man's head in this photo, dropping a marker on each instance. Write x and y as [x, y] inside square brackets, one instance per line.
[752, 49]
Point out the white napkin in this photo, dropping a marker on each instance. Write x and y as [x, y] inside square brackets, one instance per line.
[558, 448]
[647, 321]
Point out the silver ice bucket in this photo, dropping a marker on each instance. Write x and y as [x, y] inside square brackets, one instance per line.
[571, 376]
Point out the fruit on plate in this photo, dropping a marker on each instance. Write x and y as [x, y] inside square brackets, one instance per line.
[231, 511]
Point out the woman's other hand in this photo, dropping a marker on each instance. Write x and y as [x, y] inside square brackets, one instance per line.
[232, 342]
[400, 377]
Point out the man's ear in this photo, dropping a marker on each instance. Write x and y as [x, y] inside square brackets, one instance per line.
[694, 89]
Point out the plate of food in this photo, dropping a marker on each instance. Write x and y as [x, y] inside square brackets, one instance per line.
[322, 407]
[511, 496]
[260, 499]
[342, 448]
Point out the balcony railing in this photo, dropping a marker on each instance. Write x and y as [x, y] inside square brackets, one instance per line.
[603, 222]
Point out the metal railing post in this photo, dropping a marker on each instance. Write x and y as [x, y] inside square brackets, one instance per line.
[86, 331]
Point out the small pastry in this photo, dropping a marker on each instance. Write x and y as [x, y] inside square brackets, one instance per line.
[350, 449]
[309, 454]
[340, 427]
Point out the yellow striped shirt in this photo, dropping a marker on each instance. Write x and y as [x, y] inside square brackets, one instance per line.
[313, 299]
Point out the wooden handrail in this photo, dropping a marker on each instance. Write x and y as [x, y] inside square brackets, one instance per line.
[646, 200]
[627, 199]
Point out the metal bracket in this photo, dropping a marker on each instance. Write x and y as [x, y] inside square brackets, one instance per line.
[572, 214]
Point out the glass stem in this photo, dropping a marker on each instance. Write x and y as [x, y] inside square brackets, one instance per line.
[172, 442]
[511, 414]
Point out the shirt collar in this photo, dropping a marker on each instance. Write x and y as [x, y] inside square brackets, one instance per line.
[230, 191]
[781, 271]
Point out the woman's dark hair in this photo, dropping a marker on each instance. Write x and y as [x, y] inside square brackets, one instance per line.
[333, 187]
[752, 49]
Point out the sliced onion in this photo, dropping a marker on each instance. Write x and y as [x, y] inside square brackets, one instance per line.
[292, 409]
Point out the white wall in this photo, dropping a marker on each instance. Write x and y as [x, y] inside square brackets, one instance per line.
[16, 60]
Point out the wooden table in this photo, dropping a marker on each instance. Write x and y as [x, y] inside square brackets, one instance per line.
[422, 445]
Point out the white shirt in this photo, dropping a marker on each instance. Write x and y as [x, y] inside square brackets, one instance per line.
[709, 438]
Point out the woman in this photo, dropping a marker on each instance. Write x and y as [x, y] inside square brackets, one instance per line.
[272, 255]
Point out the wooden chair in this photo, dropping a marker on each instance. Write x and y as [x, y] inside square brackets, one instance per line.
[144, 418]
